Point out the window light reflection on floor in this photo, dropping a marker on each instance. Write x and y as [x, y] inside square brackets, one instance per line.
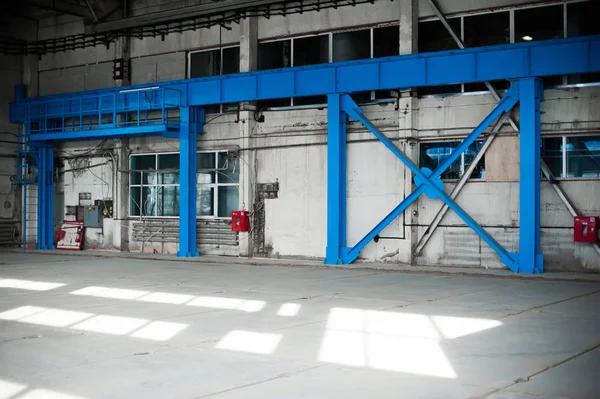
[393, 341]
[9, 389]
[251, 342]
[113, 293]
[47, 394]
[29, 285]
[289, 309]
[214, 302]
[105, 324]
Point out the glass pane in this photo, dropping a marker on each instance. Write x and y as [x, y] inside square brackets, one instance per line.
[149, 197]
[206, 160]
[228, 200]
[274, 55]
[539, 23]
[228, 169]
[205, 202]
[231, 60]
[479, 172]
[311, 50]
[205, 63]
[140, 162]
[552, 154]
[433, 154]
[348, 46]
[583, 156]
[168, 161]
[433, 35]
[582, 18]
[168, 201]
[205, 177]
[134, 201]
[487, 29]
[386, 41]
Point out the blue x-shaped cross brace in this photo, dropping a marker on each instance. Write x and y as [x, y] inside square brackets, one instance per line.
[429, 182]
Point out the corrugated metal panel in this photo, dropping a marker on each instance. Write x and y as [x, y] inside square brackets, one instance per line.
[217, 232]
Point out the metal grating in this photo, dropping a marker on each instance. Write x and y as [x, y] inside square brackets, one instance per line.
[211, 232]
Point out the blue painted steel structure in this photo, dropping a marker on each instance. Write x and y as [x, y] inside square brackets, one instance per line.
[142, 110]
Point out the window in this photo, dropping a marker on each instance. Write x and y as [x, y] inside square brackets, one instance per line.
[434, 154]
[486, 30]
[354, 45]
[433, 36]
[154, 185]
[572, 156]
[213, 63]
[154, 193]
[582, 20]
[540, 23]
[274, 55]
[310, 51]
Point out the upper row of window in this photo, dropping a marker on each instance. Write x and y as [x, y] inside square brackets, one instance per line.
[538, 23]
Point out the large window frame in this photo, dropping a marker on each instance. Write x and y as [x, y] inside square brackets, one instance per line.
[469, 89]
[463, 160]
[565, 148]
[220, 171]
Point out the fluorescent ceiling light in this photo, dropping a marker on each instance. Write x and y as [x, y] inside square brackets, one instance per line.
[139, 89]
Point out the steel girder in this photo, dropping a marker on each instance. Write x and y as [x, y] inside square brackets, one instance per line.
[528, 260]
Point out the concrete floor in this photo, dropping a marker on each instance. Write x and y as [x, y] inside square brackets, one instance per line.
[101, 328]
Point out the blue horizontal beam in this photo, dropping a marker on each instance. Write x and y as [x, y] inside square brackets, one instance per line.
[512, 61]
[129, 131]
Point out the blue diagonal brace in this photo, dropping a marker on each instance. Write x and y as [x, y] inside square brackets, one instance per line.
[507, 102]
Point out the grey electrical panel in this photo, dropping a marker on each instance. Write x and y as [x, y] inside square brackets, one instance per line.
[92, 216]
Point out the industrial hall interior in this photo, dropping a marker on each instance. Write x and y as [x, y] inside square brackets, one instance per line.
[299, 199]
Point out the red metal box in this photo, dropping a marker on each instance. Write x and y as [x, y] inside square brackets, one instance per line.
[240, 221]
[586, 229]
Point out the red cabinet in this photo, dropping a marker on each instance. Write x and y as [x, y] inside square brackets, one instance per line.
[240, 221]
[586, 229]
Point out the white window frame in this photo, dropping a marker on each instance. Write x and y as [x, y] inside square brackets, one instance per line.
[564, 152]
[215, 185]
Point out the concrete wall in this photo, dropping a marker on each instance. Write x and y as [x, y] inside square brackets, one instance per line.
[290, 148]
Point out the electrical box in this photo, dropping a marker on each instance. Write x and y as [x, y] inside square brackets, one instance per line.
[240, 221]
[92, 216]
[586, 229]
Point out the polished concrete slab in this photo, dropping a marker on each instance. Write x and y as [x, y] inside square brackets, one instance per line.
[114, 327]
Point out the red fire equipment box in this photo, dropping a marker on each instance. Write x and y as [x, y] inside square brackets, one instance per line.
[240, 221]
[586, 228]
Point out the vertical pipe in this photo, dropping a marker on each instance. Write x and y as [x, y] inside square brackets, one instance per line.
[530, 259]
[336, 180]
[188, 181]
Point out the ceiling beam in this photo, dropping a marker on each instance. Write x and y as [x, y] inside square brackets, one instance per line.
[178, 14]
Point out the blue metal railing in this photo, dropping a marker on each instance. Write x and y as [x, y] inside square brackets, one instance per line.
[126, 108]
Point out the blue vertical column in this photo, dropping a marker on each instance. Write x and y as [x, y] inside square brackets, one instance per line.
[336, 180]
[188, 133]
[530, 258]
[45, 205]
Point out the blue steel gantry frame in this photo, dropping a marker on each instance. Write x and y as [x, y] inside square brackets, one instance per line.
[144, 110]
